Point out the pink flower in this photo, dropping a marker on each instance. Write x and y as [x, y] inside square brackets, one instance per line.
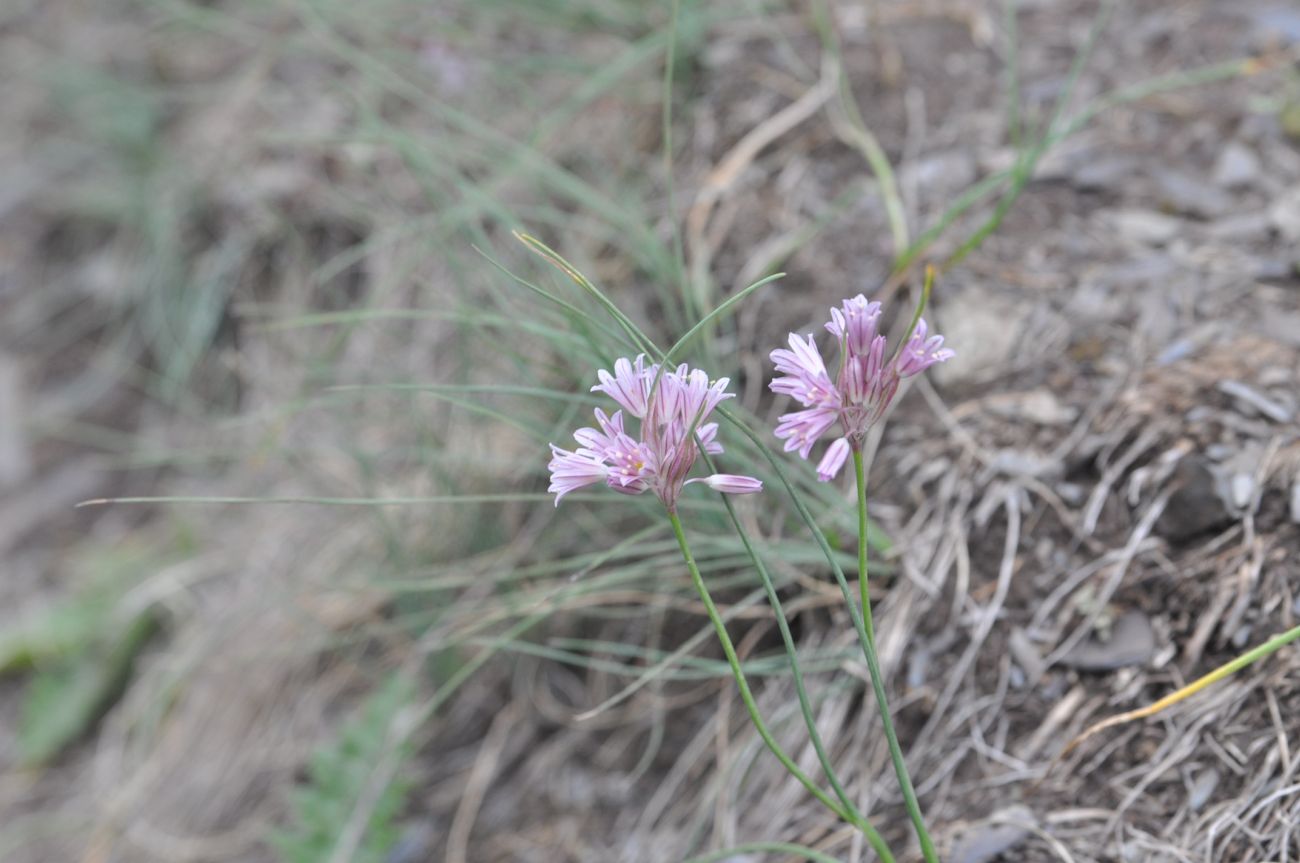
[863, 389]
[730, 483]
[672, 412]
[833, 460]
[801, 429]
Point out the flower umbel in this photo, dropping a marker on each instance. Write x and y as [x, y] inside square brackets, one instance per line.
[673, 414]
[863, 389]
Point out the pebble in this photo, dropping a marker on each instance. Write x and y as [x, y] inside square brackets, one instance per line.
[1237, 166]
[1149, 227]
[947, 171]
[1282, 326]
[1039, 406]
[1285, 215]
[1011, 462]
[1186, 194]
[1177, 350]
[967, 319]
[1243, 488]
[1202, 788]
[1026, 655]
[1107, 173]
[1274, 270]
[1195, 506]
[1071, 492]
[1242, 226]
[1132, 642]
[985, 842]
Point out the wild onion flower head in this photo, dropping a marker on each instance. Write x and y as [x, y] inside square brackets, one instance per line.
[863, 388]
[673, 409]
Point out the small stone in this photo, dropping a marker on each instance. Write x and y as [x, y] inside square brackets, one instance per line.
[1132, 642]
[1071, 492]
[1026, 655]
[987, 841]
[946, 171]
[918, 664]
[1104, 174]
[1010, 462]
[1295, 501]
[1179, 349]
[1186, 194]
[1146, 226]
[1280, 326]
[966, 319]
[1274, 270]
[1243, 488]
[1242, 226]
[1202, 788]
[1040, 406]
[1195, 506]
[1236, 166]
[1285, 215]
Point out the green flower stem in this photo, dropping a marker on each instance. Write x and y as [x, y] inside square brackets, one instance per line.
[873, 666]
[873, 837]
[805, 706]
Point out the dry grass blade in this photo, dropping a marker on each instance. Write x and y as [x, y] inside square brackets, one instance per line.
[480, 776]
[1223, 671]
[740, 157]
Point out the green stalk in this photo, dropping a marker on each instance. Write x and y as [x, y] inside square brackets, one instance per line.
[774, 600]
[873, 665]
[864, 595]
[861, 137]
[873, 837]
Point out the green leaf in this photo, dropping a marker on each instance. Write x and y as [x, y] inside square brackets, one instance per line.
[341, 786]
[63, 703]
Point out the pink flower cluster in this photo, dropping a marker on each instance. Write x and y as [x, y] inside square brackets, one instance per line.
[673, 416]
[862, 390]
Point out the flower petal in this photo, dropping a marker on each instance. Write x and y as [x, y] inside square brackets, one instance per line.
[571, 471]
[730, 483]
[833, 460]
[801, 429]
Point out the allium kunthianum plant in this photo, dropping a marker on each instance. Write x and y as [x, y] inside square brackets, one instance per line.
[671, 409]
[858, 398]
[661, 428]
